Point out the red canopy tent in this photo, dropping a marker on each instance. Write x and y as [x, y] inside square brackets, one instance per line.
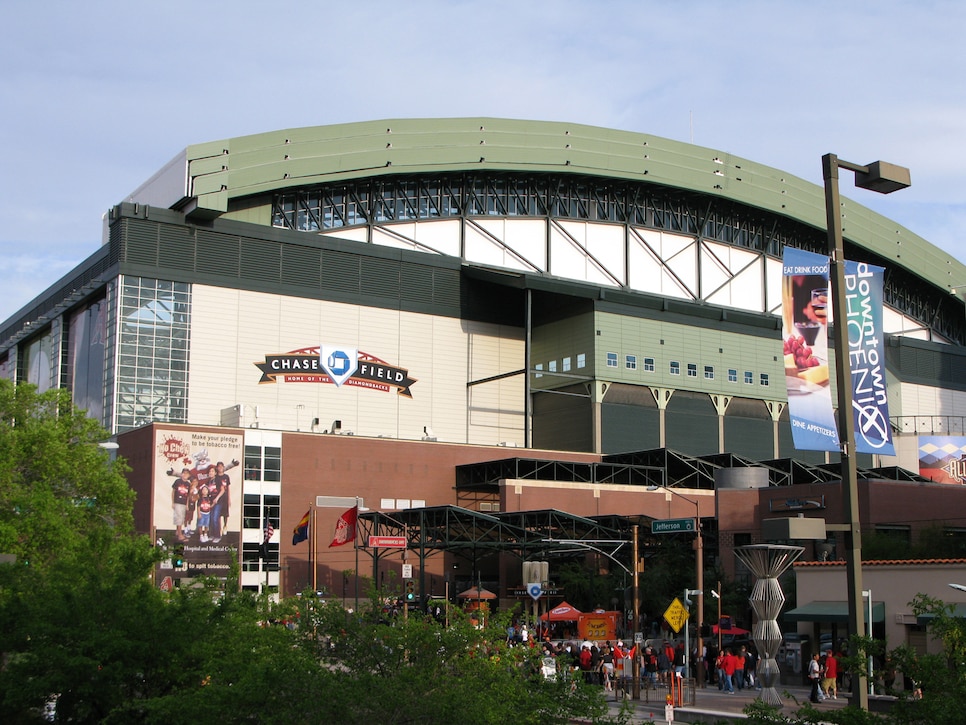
[563, 612]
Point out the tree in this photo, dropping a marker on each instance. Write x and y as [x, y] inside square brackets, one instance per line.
[83, 628]
[66, 517]
[418, 671]
[57, 485]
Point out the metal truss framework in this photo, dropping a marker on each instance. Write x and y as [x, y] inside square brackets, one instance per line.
[549, 533]
[529, 535]
[389, 200]
[658, 467]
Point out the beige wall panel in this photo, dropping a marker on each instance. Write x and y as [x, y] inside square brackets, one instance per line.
[441, 354]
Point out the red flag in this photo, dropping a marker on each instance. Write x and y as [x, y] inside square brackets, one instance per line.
[345, 529]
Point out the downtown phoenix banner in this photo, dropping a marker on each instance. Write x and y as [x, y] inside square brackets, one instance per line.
[870, 406]
[805, 318]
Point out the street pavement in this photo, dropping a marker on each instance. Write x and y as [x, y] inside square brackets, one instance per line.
[712, 705]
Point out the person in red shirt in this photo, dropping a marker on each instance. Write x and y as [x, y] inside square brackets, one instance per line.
[728, 664]
[831, 674]
[739, 678]
[585, 662]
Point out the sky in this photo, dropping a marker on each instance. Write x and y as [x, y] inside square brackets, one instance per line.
[98, 96]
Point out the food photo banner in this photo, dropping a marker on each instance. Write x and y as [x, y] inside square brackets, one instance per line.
[805, 295]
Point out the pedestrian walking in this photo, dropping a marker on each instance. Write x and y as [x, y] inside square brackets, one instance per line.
[814, 675]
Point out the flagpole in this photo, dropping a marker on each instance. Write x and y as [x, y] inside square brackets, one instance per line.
[265, 554]
[313, 541]
[355, 545]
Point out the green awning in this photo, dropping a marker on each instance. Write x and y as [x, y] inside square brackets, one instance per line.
[924, 620]
[832, 612]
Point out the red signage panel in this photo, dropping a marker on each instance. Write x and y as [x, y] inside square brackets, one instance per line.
[388, 542]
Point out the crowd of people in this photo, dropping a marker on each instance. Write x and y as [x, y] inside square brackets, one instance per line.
[823, 670]
[733, 671]
[601, 663]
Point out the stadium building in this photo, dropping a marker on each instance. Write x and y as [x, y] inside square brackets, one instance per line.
[476, 323]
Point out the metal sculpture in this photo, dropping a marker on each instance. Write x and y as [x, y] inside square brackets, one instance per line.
[767, 562]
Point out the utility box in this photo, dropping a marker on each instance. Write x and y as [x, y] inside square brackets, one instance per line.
[793, 528]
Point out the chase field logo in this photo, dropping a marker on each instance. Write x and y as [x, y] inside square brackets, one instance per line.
[335, 364]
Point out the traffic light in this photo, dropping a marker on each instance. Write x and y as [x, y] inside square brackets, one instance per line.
[410, 596]
[178, 559]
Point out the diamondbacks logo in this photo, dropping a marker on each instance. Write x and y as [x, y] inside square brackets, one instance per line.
[337, 365]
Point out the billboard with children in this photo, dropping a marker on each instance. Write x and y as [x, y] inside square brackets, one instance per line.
[197, 509]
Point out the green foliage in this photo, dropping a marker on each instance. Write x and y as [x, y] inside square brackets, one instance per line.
[417, 671]
[57, 486]
[82, 625]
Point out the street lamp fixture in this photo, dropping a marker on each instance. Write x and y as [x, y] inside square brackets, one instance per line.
[883, 178]
[698, 575]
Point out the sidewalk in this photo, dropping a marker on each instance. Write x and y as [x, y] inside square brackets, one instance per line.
[712, 705]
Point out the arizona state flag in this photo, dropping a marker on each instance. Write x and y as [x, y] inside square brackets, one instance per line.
[345, 529]
[301, 531]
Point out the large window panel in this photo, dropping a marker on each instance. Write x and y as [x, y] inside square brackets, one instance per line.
[154, 319]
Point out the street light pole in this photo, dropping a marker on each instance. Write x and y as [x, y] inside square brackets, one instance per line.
[698, 574]
[883, 178]
[868, 593]
[636, 662]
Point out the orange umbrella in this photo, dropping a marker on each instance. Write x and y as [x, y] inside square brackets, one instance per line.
[476, 593]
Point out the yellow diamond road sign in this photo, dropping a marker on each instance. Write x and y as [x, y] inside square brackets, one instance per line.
[676, 615]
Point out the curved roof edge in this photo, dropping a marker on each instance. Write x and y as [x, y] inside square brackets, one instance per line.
[204, 177]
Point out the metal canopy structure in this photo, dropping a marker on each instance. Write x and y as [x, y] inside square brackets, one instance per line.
[888, 473]
[659, 467]
[680, 469]
[471, 534]
[459, 530]
[481, 476]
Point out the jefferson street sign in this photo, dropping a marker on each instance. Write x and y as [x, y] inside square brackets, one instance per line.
[672, 526]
